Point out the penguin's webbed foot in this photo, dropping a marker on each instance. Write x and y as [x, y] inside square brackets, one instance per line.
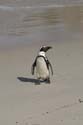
[37, 82]
[47, 80]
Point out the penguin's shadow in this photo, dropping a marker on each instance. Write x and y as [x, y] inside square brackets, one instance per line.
[29, 80]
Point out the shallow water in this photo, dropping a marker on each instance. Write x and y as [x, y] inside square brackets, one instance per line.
[25, 23]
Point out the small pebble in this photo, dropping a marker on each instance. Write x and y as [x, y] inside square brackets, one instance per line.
[17, 123]
[46, 112]
[81, 101]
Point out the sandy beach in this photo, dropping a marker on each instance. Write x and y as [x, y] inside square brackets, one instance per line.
[24, 27]
[24, 103]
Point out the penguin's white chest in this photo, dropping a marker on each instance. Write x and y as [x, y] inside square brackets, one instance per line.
[41, 69]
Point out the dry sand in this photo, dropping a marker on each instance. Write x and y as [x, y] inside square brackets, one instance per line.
[24, 103]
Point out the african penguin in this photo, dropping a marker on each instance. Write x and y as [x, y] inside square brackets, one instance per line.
[42, 65]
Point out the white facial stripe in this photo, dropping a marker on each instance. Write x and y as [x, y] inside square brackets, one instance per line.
[41, 53]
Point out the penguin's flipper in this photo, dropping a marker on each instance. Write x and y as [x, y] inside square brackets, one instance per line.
[51, 68]
[33, 67]
[49, 64]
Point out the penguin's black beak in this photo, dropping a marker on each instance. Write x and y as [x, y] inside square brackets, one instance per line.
[45, 48]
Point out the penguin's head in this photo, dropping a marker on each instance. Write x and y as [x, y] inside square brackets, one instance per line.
[45, 48]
